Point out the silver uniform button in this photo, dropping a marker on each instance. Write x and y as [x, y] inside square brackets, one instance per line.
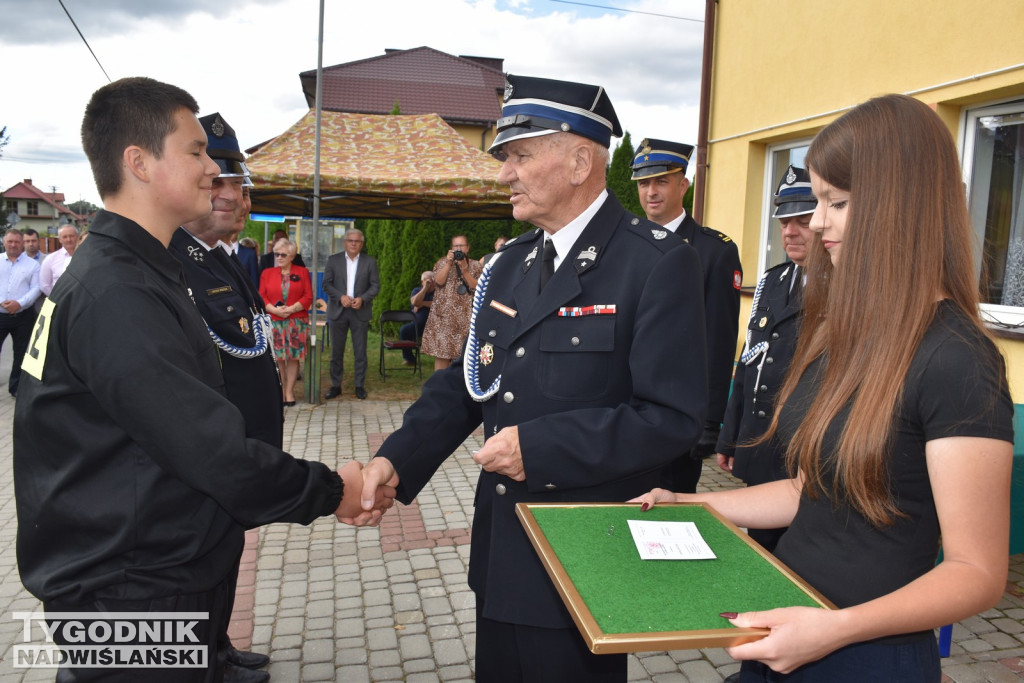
[500, 489]
[760, 413]
[769, 360]
[550, 487]
[775, 335]
[764, 387]
[520, 352]
[492, 334]
[575, 341]
[509, 397]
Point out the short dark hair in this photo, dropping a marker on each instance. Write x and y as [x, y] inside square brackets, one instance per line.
[30, 231]
[130, 111]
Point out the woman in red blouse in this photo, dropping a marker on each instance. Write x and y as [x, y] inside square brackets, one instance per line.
[287, 292]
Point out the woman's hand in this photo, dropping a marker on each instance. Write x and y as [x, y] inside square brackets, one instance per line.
[653, 497]
[798, 635]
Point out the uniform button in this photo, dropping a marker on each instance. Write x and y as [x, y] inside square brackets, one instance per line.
[769, 360]
[520, 352]
[764, 387]
[775, 335]
[509, 397]
[635, 221]
[500, 489]
[760, 413]
[575, 341]
[492, 334]
[550, 487]
[231, 309]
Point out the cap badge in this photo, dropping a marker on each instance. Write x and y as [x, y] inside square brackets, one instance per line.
[791, 176]
[659, 234]
[243, 325]
[486, 354]
[785, 272]
[197, 254]
[508, 91]
[217, 127]
[645, 148]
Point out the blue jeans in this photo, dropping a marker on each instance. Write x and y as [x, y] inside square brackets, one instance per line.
[915, 662]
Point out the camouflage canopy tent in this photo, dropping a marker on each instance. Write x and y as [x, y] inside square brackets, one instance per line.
[377, 166]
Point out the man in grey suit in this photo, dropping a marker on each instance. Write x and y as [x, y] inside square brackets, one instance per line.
[350, 282]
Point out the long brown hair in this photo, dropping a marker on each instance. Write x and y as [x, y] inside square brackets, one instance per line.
[907, 244]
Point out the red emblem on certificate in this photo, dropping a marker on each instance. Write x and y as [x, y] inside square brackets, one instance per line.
[486, 354]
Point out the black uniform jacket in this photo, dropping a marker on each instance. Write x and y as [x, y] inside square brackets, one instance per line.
[228, 302]
[602, 401]
[723, 275]
[775, 320]
[132, 473]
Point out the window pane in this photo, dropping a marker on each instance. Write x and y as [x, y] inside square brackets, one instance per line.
[779, 161]
[997, 179]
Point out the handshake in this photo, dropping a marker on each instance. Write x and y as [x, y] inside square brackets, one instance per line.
[377, 481]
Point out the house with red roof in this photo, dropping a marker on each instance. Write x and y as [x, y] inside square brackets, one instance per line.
[35, 208]
[464, 91]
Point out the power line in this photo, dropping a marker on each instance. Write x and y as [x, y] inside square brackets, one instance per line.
[83, 39]
[633, 11]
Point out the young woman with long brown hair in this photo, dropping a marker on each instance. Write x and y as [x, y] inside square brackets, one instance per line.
[897, 415]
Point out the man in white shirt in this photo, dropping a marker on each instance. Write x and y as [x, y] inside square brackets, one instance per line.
[19, 288]
[54, 265]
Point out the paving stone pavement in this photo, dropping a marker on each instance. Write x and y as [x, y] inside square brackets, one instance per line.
[332, 603]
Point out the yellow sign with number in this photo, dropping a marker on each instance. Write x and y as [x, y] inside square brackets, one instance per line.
[35, 356]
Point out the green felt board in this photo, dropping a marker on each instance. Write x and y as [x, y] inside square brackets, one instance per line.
[628, 595]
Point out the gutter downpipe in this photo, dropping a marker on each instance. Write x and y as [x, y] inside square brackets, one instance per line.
[700, 174]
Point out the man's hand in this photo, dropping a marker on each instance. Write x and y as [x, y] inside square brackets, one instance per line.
[357, 302]
[346, 301]
[350, 508]
[11, 306]
[501, 454]
[724, 461]
[378, 493]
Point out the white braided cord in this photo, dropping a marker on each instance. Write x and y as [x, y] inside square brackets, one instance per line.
[470, 368]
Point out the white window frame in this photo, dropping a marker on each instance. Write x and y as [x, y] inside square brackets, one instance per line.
[770, 180]
[998, 315]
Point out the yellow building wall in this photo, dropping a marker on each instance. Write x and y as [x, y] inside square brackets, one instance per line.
[785, 69]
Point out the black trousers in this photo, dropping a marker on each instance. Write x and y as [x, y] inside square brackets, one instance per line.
[19, 327]
[217, 602]
[513, 653]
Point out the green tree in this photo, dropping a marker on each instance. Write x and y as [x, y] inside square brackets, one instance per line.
[4, 139]
[83, 208]
[619, 173]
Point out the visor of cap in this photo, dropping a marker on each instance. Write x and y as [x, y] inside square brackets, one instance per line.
[531, 118]
[794, 208]
[655, 170]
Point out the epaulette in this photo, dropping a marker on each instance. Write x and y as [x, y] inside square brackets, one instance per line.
[711, 232]
[653, 233]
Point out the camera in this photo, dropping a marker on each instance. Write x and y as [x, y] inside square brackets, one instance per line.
[459, 254]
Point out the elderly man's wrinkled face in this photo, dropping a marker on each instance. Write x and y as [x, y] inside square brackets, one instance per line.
[538, 171]
[68, 237]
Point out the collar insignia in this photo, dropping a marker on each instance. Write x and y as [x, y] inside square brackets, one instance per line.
[659, 234]
[197, 254]
[528, 261]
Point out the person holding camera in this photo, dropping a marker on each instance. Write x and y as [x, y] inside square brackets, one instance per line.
[455, 278]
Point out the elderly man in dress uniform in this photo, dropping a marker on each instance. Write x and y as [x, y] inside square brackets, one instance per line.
[239, 326]
[659, 169]
[572, 364]
[771, 339]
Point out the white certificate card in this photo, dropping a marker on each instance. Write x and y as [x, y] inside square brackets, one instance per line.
[669, 541]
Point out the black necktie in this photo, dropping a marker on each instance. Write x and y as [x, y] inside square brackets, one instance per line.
[547, 265]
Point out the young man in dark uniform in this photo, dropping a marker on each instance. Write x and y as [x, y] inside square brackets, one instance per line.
[771, 339]
[133, 478]
[659, 167]
[233, 311]
[572, 365]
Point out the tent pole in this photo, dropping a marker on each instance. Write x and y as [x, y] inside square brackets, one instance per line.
[312, 383]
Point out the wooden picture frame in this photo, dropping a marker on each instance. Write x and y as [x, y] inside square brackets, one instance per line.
[621, 603]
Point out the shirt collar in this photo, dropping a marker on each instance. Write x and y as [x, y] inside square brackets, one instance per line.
[567, 236]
